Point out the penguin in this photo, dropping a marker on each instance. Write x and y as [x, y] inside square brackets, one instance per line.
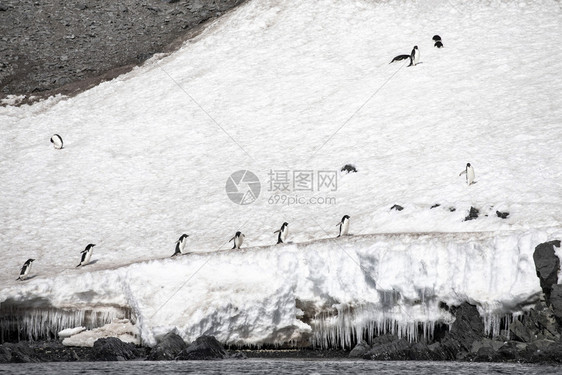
[238, 240]
[414, 56]
[25, 269]
[86, 255]
[438, 44]
[344, 226]
[56, 140]
[469, 171]
[436, 38]
[180, 245]
[400, 58]
[283, 233]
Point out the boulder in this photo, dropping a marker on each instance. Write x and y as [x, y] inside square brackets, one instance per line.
[167, 348]
[547, 265]
[520, 332]
[467, 328]
[204, 348]
[360, 349]
[473, 214]
[113, 349]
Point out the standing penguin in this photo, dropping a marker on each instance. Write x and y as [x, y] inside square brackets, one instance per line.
[344, 226]
[56, 140]
[86, 255]
[180, 245]
[238, 240]
[469, 171]
[25, 269]
[415, 56]
[283, 233]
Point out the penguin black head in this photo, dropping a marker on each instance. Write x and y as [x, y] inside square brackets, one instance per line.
[415, 47]
[467, 165]
[345, 217]
[183, 236]
[436, 38]
[89, 246]
[238, 234]
[285, 224]
[29, 261]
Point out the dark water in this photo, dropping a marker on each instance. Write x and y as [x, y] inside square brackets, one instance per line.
[267, 366]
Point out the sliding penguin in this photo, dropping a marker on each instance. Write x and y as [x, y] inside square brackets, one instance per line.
[238, 240]
[56, 140]
[180, 245]
[414, 56]
[344, 226]
[283, 233]
[469, 171]
[25, 269]
[86, 255]
[400, 58]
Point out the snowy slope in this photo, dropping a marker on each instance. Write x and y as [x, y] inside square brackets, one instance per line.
[290, 85]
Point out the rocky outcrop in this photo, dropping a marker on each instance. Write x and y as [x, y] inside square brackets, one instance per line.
[113, 349]
[547, 265]
[167, 348]
[204, 348]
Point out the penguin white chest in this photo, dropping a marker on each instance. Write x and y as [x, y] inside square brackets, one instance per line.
[284, 234]
[470, 175]
[416, 57]
[238, 241]
[182, 244]
[88, 256]
[345, 227]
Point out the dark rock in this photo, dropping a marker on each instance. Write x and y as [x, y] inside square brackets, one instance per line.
[3, 8]
[349, 168]
[521, 332]
[395, 349]
[113, 349]
[452, 209]
[547, 265]
[467, 328]
[5, 355]
[397, 207]
[473, 214]
[237, 355]
[556, 301]
[510, 351]
[17, 353]
[360, 349]
[435, 205]
[486, 354]
[167, 348]
[502, 215]
[204, 348]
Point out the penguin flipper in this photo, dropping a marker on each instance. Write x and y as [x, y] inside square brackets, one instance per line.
[79, 265]
[277, 231]
[233, 247]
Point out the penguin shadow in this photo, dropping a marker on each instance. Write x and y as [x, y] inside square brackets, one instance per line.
[30, 277]
[89, 263]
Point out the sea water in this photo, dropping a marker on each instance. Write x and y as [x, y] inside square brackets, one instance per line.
[256, 366]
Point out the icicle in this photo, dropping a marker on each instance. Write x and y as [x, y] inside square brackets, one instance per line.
[44, 323]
